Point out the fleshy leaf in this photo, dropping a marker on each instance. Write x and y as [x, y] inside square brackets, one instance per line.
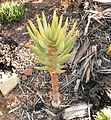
[54, 24]
[42, 41]
[65, 26]
[33, 28]
[41, 29]
[56, 35]
[44, 62]
[72, 30]
[64, 58]
[50, 34]
[60, 71]
[33, 37]
[44, 21]
[60, 38]
[41, 68]
[38, 52]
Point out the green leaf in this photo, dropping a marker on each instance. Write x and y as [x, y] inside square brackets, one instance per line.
[63, 59]
[60, 42]
[38, 52]
[59, 71]
[60, 38]
[33, 37]
[33, 28]
[45, 26]
[69, 44]
[58, 29]
[50, 34]
[54, 22]
[44, 21]
[35, 40]
[41, 42]
[71, 39]
[59, 66]
[65, 25]
[41, 68]
[37, 37]
[41, 29]
[45, 62]
[72, 30]
[62, 33]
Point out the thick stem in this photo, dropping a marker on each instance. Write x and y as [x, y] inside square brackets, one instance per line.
[55, 89]
[54, 79]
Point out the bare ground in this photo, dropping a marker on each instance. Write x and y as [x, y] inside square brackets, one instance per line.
[87, 79]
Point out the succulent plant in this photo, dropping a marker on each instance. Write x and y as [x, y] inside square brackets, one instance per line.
[11, 11]
[53, 46]
[104, 114]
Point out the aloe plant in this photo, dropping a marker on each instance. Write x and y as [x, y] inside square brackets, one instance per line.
[53, 46]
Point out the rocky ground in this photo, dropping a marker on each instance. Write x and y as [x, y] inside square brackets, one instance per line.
[87, 80]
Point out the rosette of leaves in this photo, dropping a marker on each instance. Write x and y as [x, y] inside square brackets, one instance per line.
[53, 46]
[11, 11]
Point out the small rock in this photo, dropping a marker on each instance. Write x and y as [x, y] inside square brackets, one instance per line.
[24, 77]
[7, 83]
[27, 72]
[1, 113]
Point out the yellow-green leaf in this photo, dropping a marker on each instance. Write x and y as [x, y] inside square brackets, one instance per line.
[37, 39]
[59, 71]
[50, 34]
[41, 41]
[33, 37]
[54, 22]
[60, 42]
[45, 62]
[65, 26]
[41, 29]
[44, 21]
[41, 68]
[69, 44]
[72, 30]
[33, 28]
[64, 58]
[60, 38]
[38, 52]
[59, 66]
[56, 35]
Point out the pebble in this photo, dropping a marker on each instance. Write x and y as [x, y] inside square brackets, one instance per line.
[27, 72]
[24, 77]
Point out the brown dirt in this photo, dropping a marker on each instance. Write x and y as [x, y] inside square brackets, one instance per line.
[87, 77]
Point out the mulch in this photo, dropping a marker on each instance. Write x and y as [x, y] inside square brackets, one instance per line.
[88, 72]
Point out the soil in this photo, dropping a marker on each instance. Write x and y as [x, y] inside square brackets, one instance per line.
[88, 72]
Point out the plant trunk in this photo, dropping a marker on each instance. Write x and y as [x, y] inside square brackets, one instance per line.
[54, 80]
[55, 89]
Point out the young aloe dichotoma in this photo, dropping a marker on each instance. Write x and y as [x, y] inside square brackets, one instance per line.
[53, 46]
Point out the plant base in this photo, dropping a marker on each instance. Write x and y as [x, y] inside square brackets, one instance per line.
[56, 103]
